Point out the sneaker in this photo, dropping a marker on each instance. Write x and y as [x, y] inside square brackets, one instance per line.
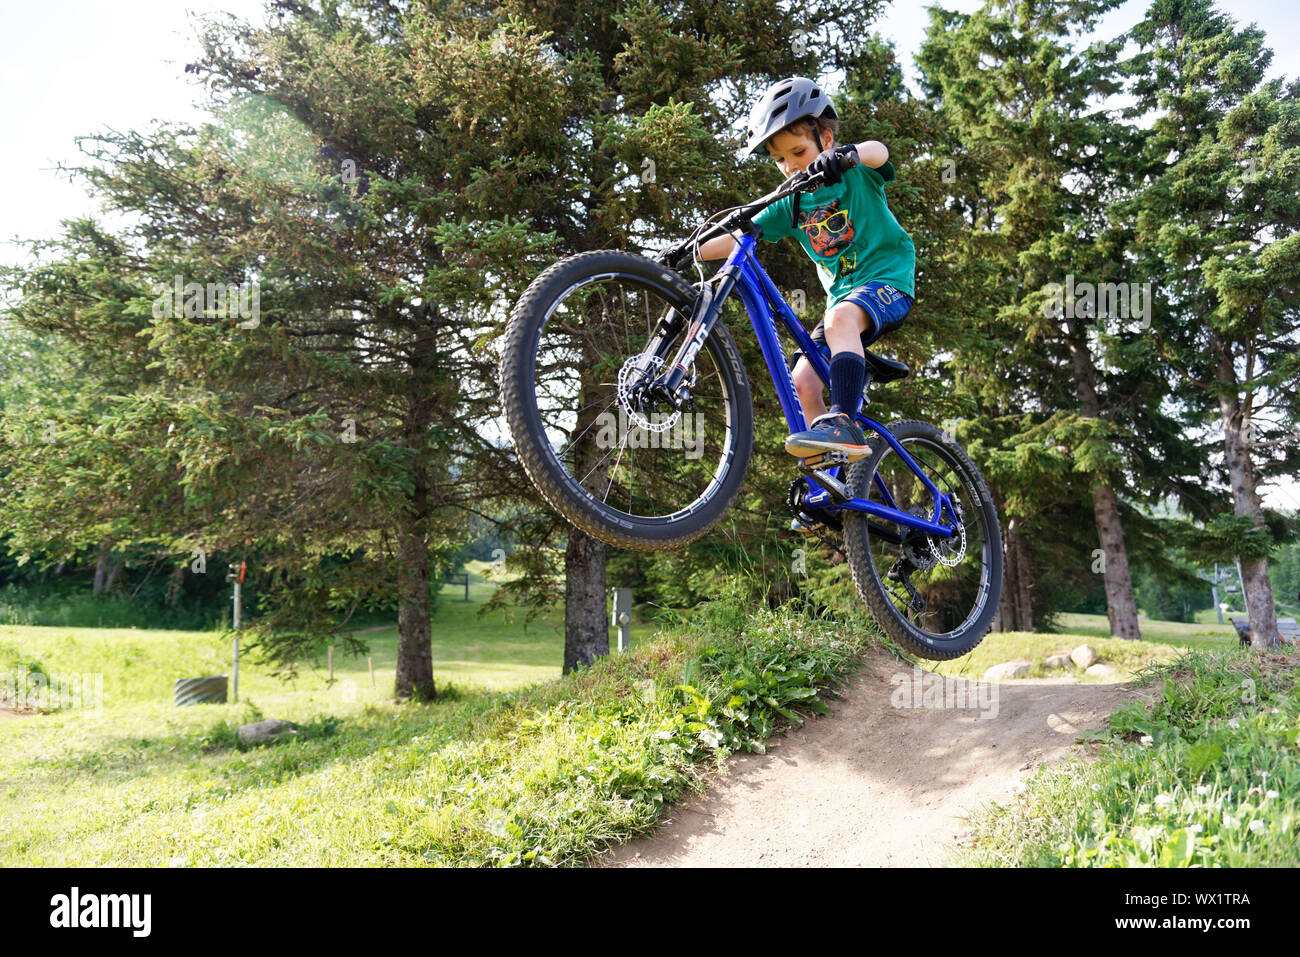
[811, 530]
[832, 432]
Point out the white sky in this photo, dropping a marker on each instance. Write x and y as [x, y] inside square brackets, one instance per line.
[73, 67]
[905, 24]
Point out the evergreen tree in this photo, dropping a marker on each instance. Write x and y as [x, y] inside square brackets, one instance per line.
[1218, 225]
[1063, 429]
[669, 86]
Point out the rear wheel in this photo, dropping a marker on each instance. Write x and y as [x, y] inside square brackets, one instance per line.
[618, 461]
[933, 595]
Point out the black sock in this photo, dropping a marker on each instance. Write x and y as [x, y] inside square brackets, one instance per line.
[848, 376]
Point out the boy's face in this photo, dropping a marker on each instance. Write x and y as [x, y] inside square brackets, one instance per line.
[793, 152]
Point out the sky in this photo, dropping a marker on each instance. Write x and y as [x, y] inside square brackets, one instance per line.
[904, 23]
[74, 67]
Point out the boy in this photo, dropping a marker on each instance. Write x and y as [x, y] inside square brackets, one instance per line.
[865, 260]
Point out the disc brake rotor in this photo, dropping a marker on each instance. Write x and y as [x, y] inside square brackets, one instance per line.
[635, 414]
[950, 551]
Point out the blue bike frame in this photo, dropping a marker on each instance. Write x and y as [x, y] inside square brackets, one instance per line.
[758, 292]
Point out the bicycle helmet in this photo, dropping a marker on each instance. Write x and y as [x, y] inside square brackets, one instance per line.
[784, 102]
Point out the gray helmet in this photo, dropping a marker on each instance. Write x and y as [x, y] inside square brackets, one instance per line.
[784, 102]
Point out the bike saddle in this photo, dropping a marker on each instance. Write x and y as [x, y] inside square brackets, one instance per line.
[885, 370]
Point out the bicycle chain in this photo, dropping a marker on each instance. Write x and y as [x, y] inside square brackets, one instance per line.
[811, 530]
[917, 603]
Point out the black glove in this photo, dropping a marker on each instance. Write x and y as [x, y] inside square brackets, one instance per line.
[673, 255]
[833, 162]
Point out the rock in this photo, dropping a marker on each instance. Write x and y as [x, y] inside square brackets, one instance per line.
[1008, 669]
[1056, 661]
[1085, 656]
[266, 732]
[1102, 671]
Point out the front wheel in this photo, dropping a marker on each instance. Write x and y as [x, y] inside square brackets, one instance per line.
[933, 595]
[619, 460]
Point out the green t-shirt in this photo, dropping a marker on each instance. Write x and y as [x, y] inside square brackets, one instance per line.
[849, 231]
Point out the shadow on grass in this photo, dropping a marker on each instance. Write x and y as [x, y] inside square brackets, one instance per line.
[329, 740]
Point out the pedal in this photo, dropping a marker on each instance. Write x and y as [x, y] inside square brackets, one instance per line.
[827, 459]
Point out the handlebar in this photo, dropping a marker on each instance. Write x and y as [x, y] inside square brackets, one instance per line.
[800, 182]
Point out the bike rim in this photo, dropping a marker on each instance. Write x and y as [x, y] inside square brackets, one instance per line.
[658, 473]
[954, 596]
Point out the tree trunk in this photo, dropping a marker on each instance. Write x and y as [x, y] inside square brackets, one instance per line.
[1121, 608]
[114, 570]
[414, 617]
[414, 629]
[1015, 613]
[101, 567]
[1245, 501]
[586, 630]
[175, 585]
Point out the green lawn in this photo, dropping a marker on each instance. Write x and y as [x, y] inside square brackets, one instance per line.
[1161, 641]
[510, 762]
[548, 774]
[1201, 634]
[494, 652]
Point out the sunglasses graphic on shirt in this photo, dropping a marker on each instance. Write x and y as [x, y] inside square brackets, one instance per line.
[828, 229]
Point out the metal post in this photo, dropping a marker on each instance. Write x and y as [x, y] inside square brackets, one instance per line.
[234, 665]
[467, 586]
[1241, 581]
[622, 617]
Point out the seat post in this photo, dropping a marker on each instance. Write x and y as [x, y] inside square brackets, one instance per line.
[865, 399]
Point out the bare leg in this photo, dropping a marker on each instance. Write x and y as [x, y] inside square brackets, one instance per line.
[844, 325]
[809, 388]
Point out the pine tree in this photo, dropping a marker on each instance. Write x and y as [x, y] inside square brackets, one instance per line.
[653, 140]
[1064, 430]
[1218, 226]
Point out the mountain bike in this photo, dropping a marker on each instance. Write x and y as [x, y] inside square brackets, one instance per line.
[631, 411]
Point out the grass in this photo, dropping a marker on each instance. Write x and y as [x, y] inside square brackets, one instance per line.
[1205, 774]
[59, 608]
[544, 774]
[517, 765]
[494, 652]
[1162, 641]
[1201, 634]
[1126, 656]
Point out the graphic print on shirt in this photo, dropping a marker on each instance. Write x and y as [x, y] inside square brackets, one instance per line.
[828, 228]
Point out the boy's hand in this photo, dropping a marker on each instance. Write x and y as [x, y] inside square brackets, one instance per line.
[833, 162]
[673, 255]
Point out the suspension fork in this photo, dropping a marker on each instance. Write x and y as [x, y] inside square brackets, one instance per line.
[704, 317]
[666, 329]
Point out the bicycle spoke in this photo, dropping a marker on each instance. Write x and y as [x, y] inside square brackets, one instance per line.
[950, 588]
[595, 332]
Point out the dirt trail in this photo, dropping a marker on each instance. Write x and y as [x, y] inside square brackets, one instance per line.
[873, 784]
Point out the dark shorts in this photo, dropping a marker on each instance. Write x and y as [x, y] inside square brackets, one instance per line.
[885, 306]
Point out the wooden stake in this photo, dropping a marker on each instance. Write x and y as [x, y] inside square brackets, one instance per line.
[331, 664]
[371, 662]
